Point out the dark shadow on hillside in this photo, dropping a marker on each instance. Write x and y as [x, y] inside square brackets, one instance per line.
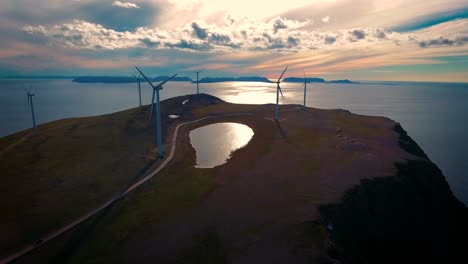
[282, 131]
[408, 144]
[79, 236]
[412, 217]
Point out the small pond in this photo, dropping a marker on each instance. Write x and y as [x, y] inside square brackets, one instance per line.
[214, 143]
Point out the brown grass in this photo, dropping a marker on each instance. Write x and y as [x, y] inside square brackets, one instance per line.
[267, 190]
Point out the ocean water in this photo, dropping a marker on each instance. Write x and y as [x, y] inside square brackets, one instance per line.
[435, 115]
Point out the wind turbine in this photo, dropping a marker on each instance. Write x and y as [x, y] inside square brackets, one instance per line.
[158, 110]
[138, 78]
[305, 89]
[198, 88]
[278, 91]
[30, 104]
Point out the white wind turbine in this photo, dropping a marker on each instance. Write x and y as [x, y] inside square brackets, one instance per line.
[278, 91]
[31, 105]
[198, 88]
[158, 110]
[138, 78]
[305, 89]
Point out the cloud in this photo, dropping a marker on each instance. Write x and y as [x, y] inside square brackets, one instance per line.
[124, 5]
[149, 42]
[190, 45]
[277, 34]
[441, 41]
[111, 34]
[242, 34]
[356, 34]
[279, 24]
[119, 17]
[198, 31]
[329, 39]
[379, 33]
[293, 41]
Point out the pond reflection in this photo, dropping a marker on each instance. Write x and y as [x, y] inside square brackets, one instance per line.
[214, 143]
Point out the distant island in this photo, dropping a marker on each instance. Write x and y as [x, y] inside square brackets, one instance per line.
[232, 79]
[342, 81]
[301, 80]
[315, 80]
[129, 79]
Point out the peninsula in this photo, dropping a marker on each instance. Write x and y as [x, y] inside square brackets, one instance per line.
[319, 186]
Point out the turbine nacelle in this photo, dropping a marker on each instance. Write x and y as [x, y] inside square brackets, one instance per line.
[159, 85]
[279, 81]
[278, 91]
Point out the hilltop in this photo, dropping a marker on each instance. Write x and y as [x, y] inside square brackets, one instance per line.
[273, 201]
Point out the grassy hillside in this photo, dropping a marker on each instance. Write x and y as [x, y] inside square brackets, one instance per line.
[261, 206]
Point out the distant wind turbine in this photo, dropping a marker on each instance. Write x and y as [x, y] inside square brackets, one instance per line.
[198, 88]
[158, 110]
[31, 105]
[278, 91]
[305, 89]
[138, 78]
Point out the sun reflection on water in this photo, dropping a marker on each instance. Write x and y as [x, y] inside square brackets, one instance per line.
[214, 143]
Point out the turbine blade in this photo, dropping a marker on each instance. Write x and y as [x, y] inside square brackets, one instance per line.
[146, 78]
[281, 92]
[279, 79]
[163, 82]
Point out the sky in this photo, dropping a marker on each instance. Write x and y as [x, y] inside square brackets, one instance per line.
[410, 40]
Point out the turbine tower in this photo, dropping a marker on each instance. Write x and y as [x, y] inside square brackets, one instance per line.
[138, 78]
[305, 89]
[198, 88]
[278, 91]
[31, 105]
[158, 110]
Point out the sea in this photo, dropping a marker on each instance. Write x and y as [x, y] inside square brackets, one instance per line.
[435, 115]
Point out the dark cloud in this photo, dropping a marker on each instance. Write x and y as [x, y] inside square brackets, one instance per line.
[329, 39]
[267, 37]
[98, 12]
[220, 38]
[244, 33]
[198, 31]
[459, 41]
[184, 44]
[279, 24]
[277, 44]
[120, 19]
[357, 34]
[380, 34]
[293, 42]
[149, 43]
[223, 40]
